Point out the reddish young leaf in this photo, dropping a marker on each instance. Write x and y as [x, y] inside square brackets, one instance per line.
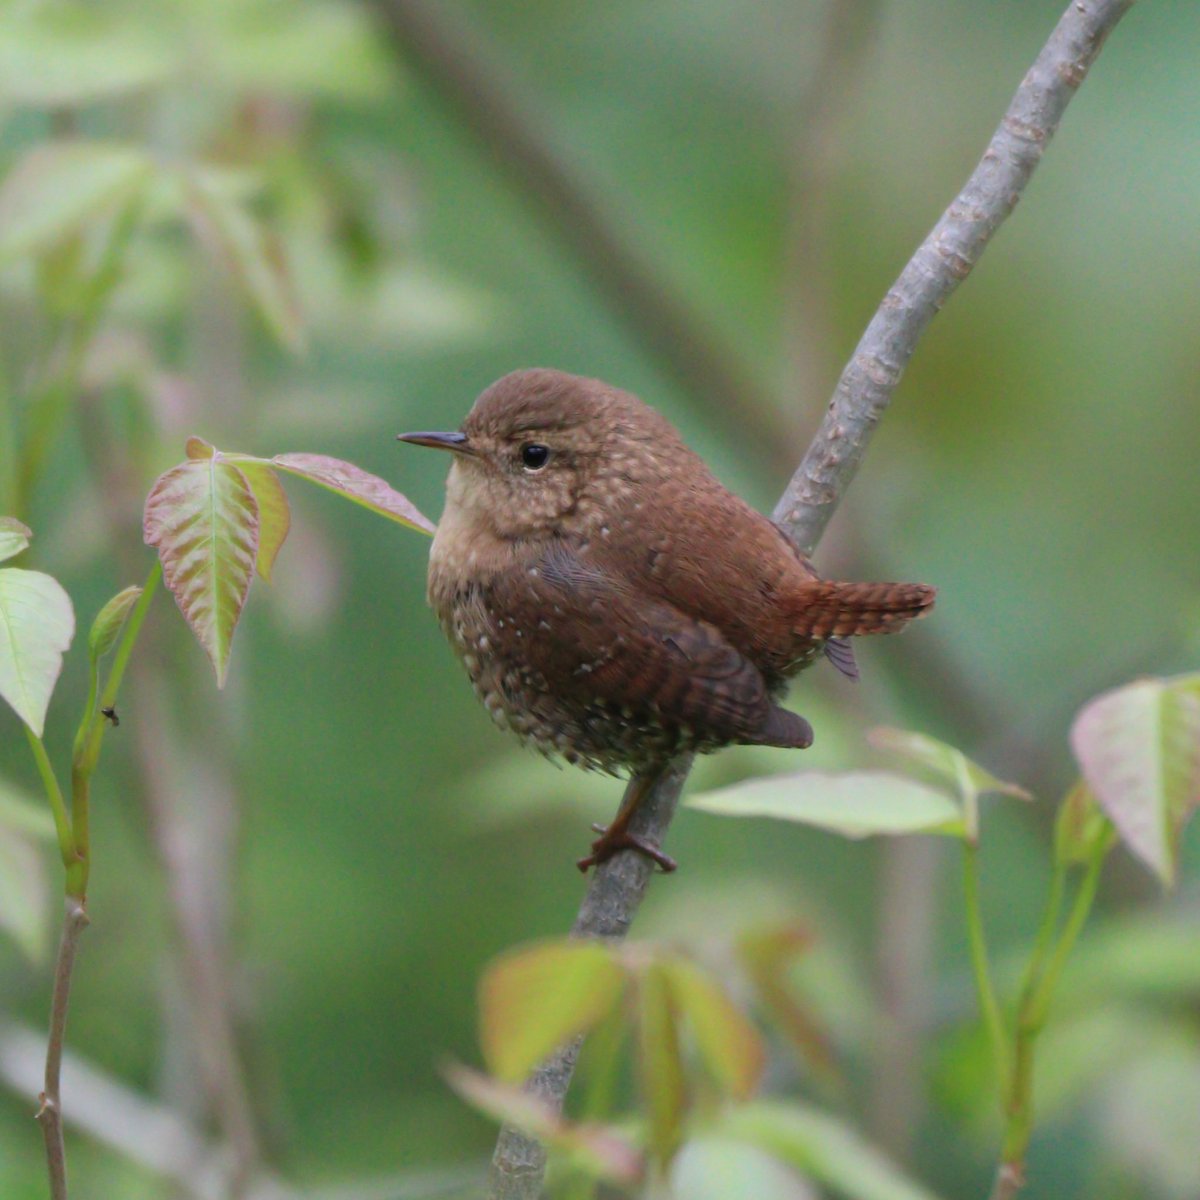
[202, 518]
[596, 1148]
[355, 484]
[1139, 750]
[274, 514]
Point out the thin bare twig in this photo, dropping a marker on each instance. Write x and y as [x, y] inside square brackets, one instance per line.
[1010, 1179]
[49, 1113]
[457, 63]
[866, 387]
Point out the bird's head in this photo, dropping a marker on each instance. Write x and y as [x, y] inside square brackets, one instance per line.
[542, 449]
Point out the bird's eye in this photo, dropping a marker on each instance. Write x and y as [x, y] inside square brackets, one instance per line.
[534, 456]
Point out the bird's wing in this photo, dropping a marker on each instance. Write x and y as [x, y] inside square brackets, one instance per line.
[707, 553]
[630, 650]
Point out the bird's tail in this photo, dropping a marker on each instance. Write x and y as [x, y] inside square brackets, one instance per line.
[824, 609]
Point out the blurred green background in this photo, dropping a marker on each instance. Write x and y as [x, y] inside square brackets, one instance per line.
[351, 840]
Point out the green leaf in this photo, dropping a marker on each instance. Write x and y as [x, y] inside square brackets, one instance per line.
[535, 998]
[253, 253]
[597, 1149]
[728, 1043]
[968, 779]
[202, 518]
[855, 804]
[355, 484]
[719, 1168]
[660, 1061]
[37, 624]
[823, 1147]
[52, 55]
[21, 812]
[274, 514]
[60, 186]
[23, 894]
[109, 622]
[14, 537]
[1139, 750]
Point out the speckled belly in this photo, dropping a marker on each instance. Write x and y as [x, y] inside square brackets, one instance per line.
[591, 733]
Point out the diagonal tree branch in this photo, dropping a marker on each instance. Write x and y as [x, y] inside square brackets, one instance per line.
[863, 392]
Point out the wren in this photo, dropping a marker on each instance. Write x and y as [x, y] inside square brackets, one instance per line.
[612, 602]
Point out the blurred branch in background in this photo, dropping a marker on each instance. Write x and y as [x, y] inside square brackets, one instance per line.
[171, 1146]
[458, 64]
[191, 814]
[909, 880]
[817, 157]
[862, 395]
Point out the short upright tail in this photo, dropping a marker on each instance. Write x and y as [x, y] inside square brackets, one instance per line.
[826, 609]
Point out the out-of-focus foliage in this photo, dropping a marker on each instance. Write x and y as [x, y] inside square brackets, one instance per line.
[1038, 466]
[1139, 747]
[38, 623]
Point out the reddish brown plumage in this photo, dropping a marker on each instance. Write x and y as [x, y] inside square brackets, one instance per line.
[615, 604]
[824, 609]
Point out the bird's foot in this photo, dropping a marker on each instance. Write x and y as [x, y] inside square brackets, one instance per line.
[608, 843]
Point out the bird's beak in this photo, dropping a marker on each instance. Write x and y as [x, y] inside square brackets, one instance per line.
[458, 442]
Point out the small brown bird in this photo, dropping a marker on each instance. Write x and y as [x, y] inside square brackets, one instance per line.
[612, 602]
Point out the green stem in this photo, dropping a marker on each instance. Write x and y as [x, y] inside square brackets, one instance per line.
[1045, 936]
[89, 709]
[91, 731]
[988, 1005]
[1040, 1000]
[1037, 992]
[62, 822]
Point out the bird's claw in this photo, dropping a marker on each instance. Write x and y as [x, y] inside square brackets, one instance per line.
[608, 844]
